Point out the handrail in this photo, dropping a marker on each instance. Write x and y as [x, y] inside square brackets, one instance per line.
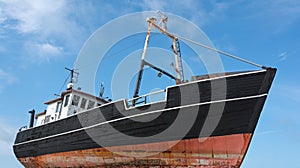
[151, 93]
[143, 96]
[23, 128]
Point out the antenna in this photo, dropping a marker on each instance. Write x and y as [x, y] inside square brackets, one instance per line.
[72, 72]
[101, 89]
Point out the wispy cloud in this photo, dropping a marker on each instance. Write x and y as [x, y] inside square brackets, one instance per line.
[2, 49]
[154, 5]
[2, 19]
[282, 56]
[43, 21]
[32, 16]
[268, 132]
[40, 52]
[6, 79]
[224, 43]
[7, 134]
[277, 14]
[56, 27]
[63, 23]
[200, 12]
[290, 8]
[289, 92]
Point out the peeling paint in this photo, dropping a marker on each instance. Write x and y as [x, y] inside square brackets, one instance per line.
[220, 151]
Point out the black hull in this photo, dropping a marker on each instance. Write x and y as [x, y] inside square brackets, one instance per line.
[243, 103]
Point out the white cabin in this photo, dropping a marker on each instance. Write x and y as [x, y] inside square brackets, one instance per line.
[71, 102]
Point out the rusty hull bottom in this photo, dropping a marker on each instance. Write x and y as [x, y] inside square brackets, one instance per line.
[221, 151]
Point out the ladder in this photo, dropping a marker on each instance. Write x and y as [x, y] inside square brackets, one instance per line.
[180, 65]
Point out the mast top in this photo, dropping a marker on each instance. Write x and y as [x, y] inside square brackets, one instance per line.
[163, 29]
[72, 79]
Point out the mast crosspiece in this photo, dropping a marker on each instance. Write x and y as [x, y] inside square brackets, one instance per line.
[176, 49]
[72, 72]
[178, 62]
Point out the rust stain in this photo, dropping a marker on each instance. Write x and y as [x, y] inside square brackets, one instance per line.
[213, 152]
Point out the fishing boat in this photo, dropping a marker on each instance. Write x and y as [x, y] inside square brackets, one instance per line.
[208, 121]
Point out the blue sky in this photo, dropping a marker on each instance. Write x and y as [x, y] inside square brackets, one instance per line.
[39, 38]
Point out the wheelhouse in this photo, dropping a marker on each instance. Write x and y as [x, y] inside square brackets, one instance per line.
[69, 103]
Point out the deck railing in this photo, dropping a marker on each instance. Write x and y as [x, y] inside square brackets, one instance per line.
[148, 98]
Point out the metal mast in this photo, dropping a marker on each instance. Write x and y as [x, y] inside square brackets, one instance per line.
[138, 82]
[174, 46]
[162, 29]
[72, 79]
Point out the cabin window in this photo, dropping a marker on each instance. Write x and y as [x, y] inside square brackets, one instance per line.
[67, 100]
[83, 102]
[91, 104]
[47, 119]
[58, 107]
[75, 100]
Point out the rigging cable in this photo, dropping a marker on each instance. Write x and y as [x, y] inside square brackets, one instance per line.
[64, 83]
[112, 55]
[221, 52]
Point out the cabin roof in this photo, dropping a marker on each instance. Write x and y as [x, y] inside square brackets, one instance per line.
[53, 101]
[75, 91]
[40, 114]
[87, 94]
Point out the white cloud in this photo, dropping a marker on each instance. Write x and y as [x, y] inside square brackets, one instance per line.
[40, 52]
[2, 17]
[280, 13]
[42, 21]
[50, 49]
[56, 27]
[68, 23]
[200, 12]
[32, 16]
